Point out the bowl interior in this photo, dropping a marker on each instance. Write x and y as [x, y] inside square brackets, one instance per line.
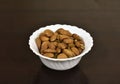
[88, 40]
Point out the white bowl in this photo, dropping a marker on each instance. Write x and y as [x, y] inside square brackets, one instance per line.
[61, 64]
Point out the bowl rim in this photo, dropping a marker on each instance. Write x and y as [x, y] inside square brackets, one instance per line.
[53, 59]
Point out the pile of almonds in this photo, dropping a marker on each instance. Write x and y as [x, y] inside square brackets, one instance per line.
[59, 44]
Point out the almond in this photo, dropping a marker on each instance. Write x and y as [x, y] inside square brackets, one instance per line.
[44, 38]
[68, 41]
[41, 34]
[80, 50]
[53, 37]
[61, 56]
[58, 50]
[75, 50]
[49, 51]
[38, 42]
[79, 44]
[55, 43]
[64, 32]
[62, 45]
[68, 52]
[59, 30]
[49, 55]
[48, 33]
[82, 46]
[51, 45]
[44, 45]
[63, 37]
[71, 45]
[75, 36]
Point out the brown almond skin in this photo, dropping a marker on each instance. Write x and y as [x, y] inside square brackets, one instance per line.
[68, 52]
[48, 32]
[55, 43]
[80, 50]
[49, 51]
[75, 36]
[52, 45]
[44, 45]
[71, 45]
[82, 46]
[49, 55]
[38, 42]
[53, 37]
[58, 50]
[60, 29]
[44, 38]
[61, 56]
[75, 50]
[41, 34]
[61, 37]
[68, 41]
[79, 44]
[64, 32]
[58, 37]
[62, 45]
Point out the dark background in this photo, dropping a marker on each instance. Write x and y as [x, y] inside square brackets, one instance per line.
[19, 18]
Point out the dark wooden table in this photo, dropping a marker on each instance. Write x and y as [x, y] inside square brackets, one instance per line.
[18, 19]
